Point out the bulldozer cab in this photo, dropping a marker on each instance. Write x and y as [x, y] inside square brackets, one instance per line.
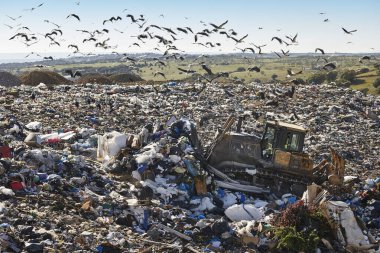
[282, 144]
[282, 136]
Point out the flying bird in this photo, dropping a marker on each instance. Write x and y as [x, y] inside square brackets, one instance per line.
[320, 50]
[73, 15]
[285, 53]
[329, 66]
[73, 46]
[90, 39]
[255, 68]
[207, 69]
[58, 30]
[249, 49]
[14, 19]
[239, 40]
[182, 30]
[292, 39]
[132, 18]
[112, 19]
[159, 73]
[49, 58]
[73, 74]
[187, 71]
[129, 59]
[161, 62]
[32, 9]
[278, 39]
[189, 29]
[31, 54]
[279, 56]
[259, 47]
[348, 32]
[292, 73]
[218, 27]
[49, 22]
[10, 27]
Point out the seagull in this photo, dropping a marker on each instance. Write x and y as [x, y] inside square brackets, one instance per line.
[320, 50]
[218, 27]
[278, 39]
[161, 62]
[329, 66]
[279, 56]
[239, 40]
[73, 46]
[24, 27]
[182, 30]
[90, 39]
[132, 18]
[129, 59]
[249, 49]
[14, 19]
[32, 9]
[49, 22]
[31, 54]
[73, 75]
[159, 73]
[294, 39]
[187, 71]
[10, 27]
[255, 68]
[207, 69]
[292, 73]
[74, 15]
[348, 32]
[285, 53]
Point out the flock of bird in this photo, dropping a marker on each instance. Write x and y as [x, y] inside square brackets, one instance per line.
[165, 38]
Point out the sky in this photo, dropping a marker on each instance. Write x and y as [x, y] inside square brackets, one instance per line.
[276, 17]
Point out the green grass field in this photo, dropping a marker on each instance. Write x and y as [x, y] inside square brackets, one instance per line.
[225, 63]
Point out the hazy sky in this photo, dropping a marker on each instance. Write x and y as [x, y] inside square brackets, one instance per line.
[244, 16]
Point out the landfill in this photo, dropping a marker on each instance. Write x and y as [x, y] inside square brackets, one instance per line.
[115, 168]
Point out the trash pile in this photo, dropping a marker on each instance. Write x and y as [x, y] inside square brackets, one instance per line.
[119, 169]
[8, 80]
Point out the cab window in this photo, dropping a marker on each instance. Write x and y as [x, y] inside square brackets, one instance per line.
[292, 142]
[268, 142]
[237, 147]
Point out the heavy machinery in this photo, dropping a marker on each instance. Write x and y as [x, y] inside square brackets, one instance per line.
[276, 159]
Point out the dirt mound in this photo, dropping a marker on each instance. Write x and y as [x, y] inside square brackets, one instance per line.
[94, 78]
[8, 80]
[34, 78]
[125, 78]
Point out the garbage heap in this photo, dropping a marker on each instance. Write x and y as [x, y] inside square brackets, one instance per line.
[83, 188]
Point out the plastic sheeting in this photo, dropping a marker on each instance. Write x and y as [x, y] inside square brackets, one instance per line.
[110, 144]
[243, 212]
